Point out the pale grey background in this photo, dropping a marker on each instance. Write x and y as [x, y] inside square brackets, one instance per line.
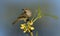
[47, 27]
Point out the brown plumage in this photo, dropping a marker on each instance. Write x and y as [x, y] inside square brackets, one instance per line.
[24, 16]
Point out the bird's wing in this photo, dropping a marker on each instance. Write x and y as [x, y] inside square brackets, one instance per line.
[23, 15]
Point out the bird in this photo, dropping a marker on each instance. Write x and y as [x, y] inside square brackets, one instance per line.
[24, 16]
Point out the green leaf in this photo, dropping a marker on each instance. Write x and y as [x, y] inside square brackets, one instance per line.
[55, 17]
[39, 12]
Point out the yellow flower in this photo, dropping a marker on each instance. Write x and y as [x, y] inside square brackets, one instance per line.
[32, 28]
[27, 27]
[25, 31]
[30, 22]
[22, 26]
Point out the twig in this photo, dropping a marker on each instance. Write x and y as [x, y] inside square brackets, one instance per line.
[31, 33]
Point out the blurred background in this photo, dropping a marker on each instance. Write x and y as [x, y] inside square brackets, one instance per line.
[47, 26]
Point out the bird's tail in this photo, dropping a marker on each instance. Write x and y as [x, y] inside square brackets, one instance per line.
[15, 21]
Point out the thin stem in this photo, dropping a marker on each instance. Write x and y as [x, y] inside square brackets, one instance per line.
[39, 15]
[27, 34]
[36, 19]
[31, 33]
[37, 33]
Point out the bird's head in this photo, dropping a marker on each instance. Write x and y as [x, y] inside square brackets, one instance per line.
[26, 10]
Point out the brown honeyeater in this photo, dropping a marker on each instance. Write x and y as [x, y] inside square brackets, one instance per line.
[24, 16]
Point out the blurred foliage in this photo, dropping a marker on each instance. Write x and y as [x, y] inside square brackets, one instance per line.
[50, 15]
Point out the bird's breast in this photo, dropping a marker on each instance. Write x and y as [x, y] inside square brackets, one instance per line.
[29, 14]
